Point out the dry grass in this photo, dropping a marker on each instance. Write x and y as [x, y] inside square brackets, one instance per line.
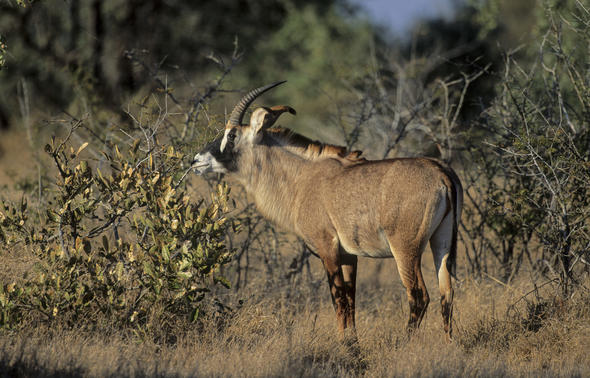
[279, 335]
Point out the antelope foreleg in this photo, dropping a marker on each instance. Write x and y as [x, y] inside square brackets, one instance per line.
[349, 265]
[338, 292]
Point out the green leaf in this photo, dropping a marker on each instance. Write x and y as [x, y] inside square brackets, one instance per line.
[166, 254]
[222, 280]
[195, 316]
[148, 268]
[185, 275]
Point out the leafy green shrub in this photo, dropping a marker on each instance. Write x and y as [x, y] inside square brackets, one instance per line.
[118, 245]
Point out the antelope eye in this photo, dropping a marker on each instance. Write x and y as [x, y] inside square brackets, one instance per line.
[231, 136]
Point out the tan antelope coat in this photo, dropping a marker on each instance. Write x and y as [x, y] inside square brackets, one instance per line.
[344, 207]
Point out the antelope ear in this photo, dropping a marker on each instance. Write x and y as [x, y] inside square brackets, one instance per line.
[260, 120]
[280, 109]
[263, 118]
[275, 112]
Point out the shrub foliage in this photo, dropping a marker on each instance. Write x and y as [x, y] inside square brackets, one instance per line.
[119, 241]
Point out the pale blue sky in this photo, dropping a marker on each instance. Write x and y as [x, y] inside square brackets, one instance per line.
[400, 15]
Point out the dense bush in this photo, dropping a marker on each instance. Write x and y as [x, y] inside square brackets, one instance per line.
[118, 242]
[530, 186]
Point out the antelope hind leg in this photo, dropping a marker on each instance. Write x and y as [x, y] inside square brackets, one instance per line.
[410, 273]
[417, 296]
[440, 243]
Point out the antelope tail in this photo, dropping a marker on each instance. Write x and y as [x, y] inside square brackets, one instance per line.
[456, 201]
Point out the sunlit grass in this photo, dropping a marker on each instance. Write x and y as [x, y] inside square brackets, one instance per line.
[272, 335]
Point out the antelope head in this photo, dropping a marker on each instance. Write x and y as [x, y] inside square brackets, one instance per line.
[221, 155]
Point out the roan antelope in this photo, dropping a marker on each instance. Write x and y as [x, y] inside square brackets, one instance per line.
[344, 206]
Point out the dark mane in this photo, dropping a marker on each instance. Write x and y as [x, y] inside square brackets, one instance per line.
[313, 149]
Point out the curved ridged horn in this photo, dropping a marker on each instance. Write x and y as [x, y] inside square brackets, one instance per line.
[237, 114]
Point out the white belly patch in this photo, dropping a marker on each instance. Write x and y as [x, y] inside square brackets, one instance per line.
[361, 245]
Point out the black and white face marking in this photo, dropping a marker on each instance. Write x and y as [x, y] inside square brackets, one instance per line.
[229, 140]
[212, 159]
